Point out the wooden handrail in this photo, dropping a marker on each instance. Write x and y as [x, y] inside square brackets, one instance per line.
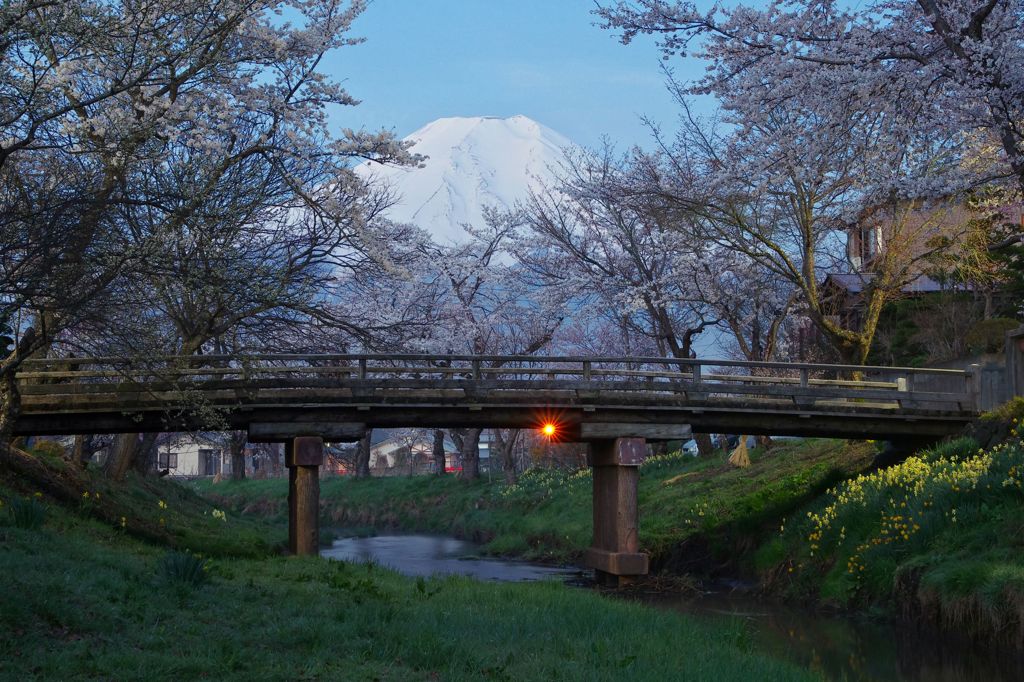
[504, 360]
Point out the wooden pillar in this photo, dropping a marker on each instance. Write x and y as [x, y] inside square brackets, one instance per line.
[614, 553]
[303, 456]
[1015, 362]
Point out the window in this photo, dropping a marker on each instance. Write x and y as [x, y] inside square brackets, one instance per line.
[871, 242]
[167, 460]
[209, 462]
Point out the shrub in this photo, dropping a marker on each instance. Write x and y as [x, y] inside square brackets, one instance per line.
[1010, 411]
[48, 449]
[989, 336]
[27, 512]
[184, 568]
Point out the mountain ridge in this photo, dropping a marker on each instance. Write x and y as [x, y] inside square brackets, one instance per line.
[473, 162]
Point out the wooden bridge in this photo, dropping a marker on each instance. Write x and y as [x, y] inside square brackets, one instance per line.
[335, 395]
[611, 403]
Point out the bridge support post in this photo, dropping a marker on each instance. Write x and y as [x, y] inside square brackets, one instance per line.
[303, 456]
[614, 552]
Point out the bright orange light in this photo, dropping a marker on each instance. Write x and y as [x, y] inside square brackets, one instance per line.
[548, 429]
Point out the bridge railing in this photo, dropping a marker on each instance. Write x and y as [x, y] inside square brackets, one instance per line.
[696, 379]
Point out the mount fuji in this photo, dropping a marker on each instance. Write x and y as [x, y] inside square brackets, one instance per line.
[472, 162]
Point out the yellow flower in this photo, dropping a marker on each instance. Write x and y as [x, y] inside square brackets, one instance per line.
[85, 495]
[162, 504]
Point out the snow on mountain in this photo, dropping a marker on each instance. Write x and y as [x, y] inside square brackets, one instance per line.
[473, 162]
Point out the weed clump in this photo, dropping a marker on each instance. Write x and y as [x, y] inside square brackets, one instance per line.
[27, 512]
[185, 569]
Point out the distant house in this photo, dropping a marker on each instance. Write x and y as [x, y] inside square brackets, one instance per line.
[192, 455]
[915, 228]
[405, 454]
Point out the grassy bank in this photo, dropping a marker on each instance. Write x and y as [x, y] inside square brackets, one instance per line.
[84, 598]
[940, 536]
[712, 510]
[148, 508]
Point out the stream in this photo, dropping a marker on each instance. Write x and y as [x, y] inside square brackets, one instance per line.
[838, 647]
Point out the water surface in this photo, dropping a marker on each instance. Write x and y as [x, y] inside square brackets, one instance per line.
[846, 648]
[426, 555]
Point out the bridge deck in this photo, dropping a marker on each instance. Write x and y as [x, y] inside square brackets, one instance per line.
[96, 395]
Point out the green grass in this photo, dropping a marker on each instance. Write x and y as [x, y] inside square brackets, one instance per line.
[940, 536]
[82, 599]
[547, 514]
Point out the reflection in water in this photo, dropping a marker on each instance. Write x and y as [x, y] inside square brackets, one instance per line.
[426, 555]
[837, 648]
[842, 648]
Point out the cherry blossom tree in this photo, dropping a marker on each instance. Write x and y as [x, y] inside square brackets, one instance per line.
[467, 298]
[784, 190]
[945, 69]
[750, 302]
[489, 306]
[611, 242]
[617, 250]
[139, 135]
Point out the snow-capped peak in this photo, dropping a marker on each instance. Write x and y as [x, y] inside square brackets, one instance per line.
[472, 162]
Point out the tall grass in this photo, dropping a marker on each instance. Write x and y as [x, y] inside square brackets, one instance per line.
[27, 512]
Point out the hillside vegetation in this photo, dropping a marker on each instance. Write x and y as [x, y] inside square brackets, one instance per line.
[941, 536]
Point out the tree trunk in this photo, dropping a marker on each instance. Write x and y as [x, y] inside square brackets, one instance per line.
[238, 439]
[363, 456]
[145, 455]
[457, 437]
[121, 456]
[508, 457]
[438, 452]
[506, 449]
[10, 396]
[704, 445]
[10, 405]
[470, 454]
[82, 451]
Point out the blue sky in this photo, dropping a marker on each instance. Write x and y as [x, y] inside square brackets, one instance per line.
[425, 59]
